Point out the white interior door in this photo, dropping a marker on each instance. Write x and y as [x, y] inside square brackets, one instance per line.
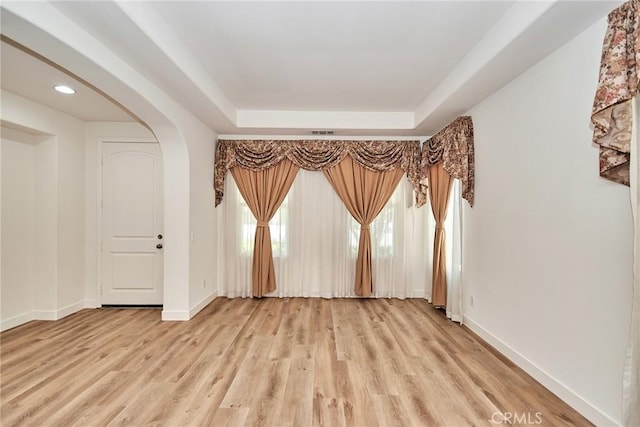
[132, 223]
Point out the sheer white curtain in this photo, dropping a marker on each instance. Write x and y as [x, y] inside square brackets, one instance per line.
[631, 371]
[453, 230]
[315, 242]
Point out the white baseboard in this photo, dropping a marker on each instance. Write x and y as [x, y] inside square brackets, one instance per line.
[70, 309]
[574, 400]
[178, 316]
[59, 313]
[21, 319]
[45, 314]
[90, 303]
[18, 320]
[202, 304]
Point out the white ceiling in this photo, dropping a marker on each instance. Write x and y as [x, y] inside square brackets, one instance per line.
[31, 78]
[358, 67]
[329, 56]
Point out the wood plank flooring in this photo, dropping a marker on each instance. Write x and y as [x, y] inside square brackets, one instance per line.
[266, 362]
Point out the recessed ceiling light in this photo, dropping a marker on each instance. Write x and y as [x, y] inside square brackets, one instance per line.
[64, 89]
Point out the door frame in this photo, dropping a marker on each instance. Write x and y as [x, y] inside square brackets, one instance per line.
[99, 207]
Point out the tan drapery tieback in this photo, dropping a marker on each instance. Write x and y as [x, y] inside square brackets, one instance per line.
[263, 223]
[364, 227]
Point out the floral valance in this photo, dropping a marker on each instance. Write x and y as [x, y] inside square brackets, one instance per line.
[453, 145]
[318, 155]
[618, 84]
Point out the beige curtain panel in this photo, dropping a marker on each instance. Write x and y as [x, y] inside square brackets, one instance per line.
[364, 193]
[319, 155]
[454, 146]
[447, 155]
[440, 184]
[264, 192]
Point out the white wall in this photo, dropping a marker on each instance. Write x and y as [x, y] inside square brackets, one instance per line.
[18, 226]
[59, 165]
[71, 215]
[547, 247]
[46, 229]
[202, 288]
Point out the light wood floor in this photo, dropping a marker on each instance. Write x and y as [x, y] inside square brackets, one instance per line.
[267, 362]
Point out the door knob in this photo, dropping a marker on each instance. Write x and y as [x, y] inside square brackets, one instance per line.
[159, 246]
[159, 236]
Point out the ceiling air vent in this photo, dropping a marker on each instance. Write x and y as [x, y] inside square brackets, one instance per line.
[321, 132]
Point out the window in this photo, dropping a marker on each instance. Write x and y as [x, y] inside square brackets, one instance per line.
[315, 243]
[279, 225]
